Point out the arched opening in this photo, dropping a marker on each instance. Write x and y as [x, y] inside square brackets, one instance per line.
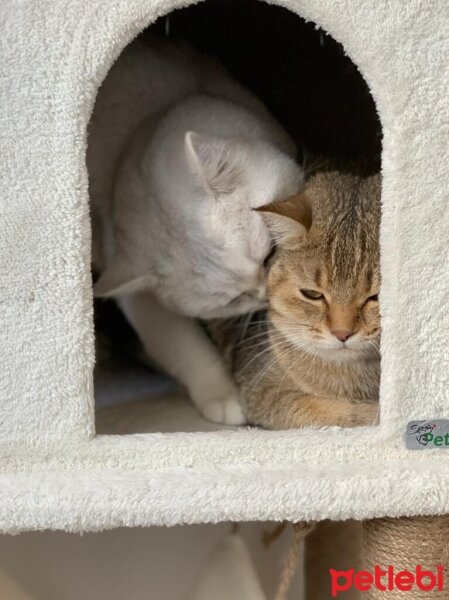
[301, 73]
[316, 93]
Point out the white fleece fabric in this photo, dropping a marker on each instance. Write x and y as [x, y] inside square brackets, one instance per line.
[54, 472]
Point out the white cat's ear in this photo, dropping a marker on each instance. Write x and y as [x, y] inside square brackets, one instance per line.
[116, 280]
[213, 161]
[288, 221]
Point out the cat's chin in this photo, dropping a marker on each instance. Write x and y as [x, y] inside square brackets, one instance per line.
[346, 353]
[335, 354]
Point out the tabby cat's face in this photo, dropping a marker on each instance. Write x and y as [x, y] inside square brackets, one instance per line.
[321, 315]
[324, 279]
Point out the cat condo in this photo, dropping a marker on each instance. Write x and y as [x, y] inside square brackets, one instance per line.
[56, 472]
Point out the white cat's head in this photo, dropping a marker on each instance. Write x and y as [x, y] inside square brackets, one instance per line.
[215, 255]
[232, 179]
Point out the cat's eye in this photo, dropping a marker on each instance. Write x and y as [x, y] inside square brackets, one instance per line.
[312, 294]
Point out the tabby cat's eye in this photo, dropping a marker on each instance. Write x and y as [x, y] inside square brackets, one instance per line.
[312, 294]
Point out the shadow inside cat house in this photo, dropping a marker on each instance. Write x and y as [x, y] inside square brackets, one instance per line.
[205, 125]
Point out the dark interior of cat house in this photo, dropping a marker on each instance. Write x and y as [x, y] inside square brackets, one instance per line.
[317, 94]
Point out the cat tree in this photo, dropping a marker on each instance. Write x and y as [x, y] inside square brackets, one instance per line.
[55, 473]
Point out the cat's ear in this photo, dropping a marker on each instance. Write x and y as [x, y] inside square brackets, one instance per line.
[116, 280]
[212, 159]
[289, 220]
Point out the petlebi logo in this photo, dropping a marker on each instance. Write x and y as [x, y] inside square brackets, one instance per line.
[426, 435]
[388, 579]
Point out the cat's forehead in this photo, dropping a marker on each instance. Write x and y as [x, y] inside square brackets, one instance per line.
[358, 281]
[345, 267]
[344, 245]
[349, 197]
[344, 264]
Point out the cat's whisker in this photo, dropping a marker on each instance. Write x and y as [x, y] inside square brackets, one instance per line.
[270, 347]
[259, 375]
[254, 358]
[253, 337]
[374, 345]
[273, 337]
[307, 347]
[246, 325]
[269, 334]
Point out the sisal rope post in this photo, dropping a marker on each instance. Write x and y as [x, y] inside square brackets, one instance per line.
[300, 532]
[405, 543]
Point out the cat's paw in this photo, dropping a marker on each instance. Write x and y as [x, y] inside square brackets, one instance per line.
[226, 410]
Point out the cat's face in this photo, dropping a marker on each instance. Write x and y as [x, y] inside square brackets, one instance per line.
[324, 279]
[237, 178]
[236, 277]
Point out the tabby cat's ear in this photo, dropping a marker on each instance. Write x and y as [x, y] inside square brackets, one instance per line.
[213, 160]
[290, 220]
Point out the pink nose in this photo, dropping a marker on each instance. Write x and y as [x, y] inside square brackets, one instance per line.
[342, 334]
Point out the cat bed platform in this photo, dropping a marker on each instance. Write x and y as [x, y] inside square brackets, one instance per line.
[55, 471]
[164, 479]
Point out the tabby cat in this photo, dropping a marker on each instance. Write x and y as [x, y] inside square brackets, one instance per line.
[313, 358]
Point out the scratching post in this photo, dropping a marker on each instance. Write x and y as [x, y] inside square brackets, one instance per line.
[300, 532]
[405, 543]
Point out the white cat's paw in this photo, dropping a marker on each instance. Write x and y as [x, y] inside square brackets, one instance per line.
[225, 410]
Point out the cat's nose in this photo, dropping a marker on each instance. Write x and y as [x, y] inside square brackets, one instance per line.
[342, 334]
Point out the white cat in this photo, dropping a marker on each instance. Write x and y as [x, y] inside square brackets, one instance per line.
[179, 155]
